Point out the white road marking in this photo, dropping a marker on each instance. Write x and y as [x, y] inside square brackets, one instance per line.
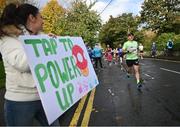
[164, 60]
[142, 64]
[111, 92]
[149, 76]
[170, 70]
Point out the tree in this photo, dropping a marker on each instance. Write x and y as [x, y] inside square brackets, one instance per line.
[116, 29]
[163, 38]
[52, 13]
[82, 21]
[33, 2]
[161, 15]
[2, 5]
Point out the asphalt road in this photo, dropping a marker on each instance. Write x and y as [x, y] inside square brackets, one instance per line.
[157, 104]
[117, 102]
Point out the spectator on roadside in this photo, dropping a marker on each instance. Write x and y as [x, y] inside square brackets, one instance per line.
[170, 47]
[22, 102]
[153, 49]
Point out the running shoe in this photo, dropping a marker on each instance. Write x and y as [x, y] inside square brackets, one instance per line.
[128, 75]
[139, 85]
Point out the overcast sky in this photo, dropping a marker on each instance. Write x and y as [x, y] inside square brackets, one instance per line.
[115, 8]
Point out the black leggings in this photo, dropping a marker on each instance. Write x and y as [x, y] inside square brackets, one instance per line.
[96, 61]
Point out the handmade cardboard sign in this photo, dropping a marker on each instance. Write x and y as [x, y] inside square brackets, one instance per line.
[62, 71]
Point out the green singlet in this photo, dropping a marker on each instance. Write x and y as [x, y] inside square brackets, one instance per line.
[131, 46]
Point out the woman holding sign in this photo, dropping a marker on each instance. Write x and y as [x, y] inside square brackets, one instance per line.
[22, 102]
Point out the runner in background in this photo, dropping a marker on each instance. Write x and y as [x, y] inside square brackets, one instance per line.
[109, 56]
[115, 55]
[120, 53]
[141, 48]
[130, 47]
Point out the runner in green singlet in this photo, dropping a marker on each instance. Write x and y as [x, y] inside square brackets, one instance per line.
[131, 49]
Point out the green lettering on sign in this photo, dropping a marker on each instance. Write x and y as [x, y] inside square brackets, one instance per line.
[59, 99]
[63, 40]
[66, 42]
[53, 45]
[47, 47]
[34, 43]
[66, 59]
[70, 43]
[70, 89]
[63, 75]
[41, 77]
[52, 69]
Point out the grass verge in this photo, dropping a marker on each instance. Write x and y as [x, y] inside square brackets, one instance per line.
[2, 75]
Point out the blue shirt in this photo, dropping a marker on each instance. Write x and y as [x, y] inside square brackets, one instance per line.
[90, 52]
[169, 44]
[97, 52]
[120, 51]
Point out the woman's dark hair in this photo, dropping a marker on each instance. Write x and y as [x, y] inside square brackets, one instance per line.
[16, 15]
[23, 11]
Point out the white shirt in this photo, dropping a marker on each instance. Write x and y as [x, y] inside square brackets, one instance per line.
[20, 85]
[141, 47]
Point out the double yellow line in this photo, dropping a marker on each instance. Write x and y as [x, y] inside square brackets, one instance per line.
[87, 113]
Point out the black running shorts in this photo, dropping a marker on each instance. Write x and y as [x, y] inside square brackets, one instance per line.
[130, 63]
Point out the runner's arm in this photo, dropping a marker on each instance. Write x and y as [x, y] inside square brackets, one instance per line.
[124, 49]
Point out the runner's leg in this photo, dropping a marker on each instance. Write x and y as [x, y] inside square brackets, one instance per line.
[137, 74]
